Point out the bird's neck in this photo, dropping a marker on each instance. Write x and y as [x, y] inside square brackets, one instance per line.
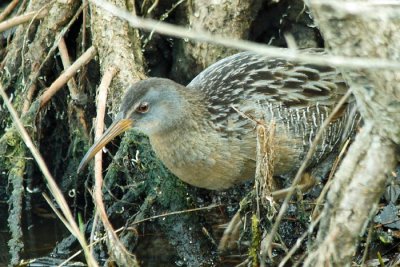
[188, 140]
[196, 153]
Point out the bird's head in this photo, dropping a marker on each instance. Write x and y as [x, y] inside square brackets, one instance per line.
[154, 106]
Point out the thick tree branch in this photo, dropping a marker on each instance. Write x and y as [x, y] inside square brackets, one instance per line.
[361, 178]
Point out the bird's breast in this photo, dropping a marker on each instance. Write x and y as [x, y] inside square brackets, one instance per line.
[203, 159]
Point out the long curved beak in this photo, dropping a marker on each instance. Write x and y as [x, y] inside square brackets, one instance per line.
[116, 128]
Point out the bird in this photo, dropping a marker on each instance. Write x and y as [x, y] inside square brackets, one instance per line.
[204, 132]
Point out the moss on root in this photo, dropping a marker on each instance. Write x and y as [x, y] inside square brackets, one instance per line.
[255, 240]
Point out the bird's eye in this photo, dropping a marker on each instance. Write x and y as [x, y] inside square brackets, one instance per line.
[143, 107]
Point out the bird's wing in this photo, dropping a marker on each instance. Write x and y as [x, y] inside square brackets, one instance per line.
[248, 77]
[298, 96]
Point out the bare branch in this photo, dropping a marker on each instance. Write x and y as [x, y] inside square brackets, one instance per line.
[8, 9]
[8, 24]
[288, 54]
[68, 73]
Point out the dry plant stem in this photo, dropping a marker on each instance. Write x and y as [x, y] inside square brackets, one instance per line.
[230, 233]
[72, 86]
[282, 193]
[117, 247]
[62, 48]
[57, 212]
[84, 19]
[175, 213]
[91, 245]
[50, 180]
[367, 244]
[265, 161]
[93, 231]
[299, 241]
[397, 263]
[288, 54]
[8, 24]
[99, 128]
[8, 9]
[68, 73]
[28, 98]
[321, 197]
[244, 263]
[360, 7]
[300, 172]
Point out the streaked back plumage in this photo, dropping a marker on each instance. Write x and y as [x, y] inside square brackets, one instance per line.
[297, 97]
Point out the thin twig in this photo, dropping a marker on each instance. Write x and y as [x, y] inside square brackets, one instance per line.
[62, 48]
[72, 85]
[301, 170]
[8, 24]
[99, 128]
[118, 247]
[94, 227]
[299, 241]
[34, 75]
[84, 18]
[28, 98]
[328, 184]
[367, 243]
[68, 73]
[176, 213]
[56, 192]
[57, 212]
[162, 18]
[365, 8]
[288, 54]
[282, 193]
[8, 9]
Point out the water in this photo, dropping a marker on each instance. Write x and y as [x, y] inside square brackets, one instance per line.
[40, 234]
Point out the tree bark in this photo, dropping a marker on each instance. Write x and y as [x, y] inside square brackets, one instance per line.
[371, 30]
[224, 18]
[123, 52]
